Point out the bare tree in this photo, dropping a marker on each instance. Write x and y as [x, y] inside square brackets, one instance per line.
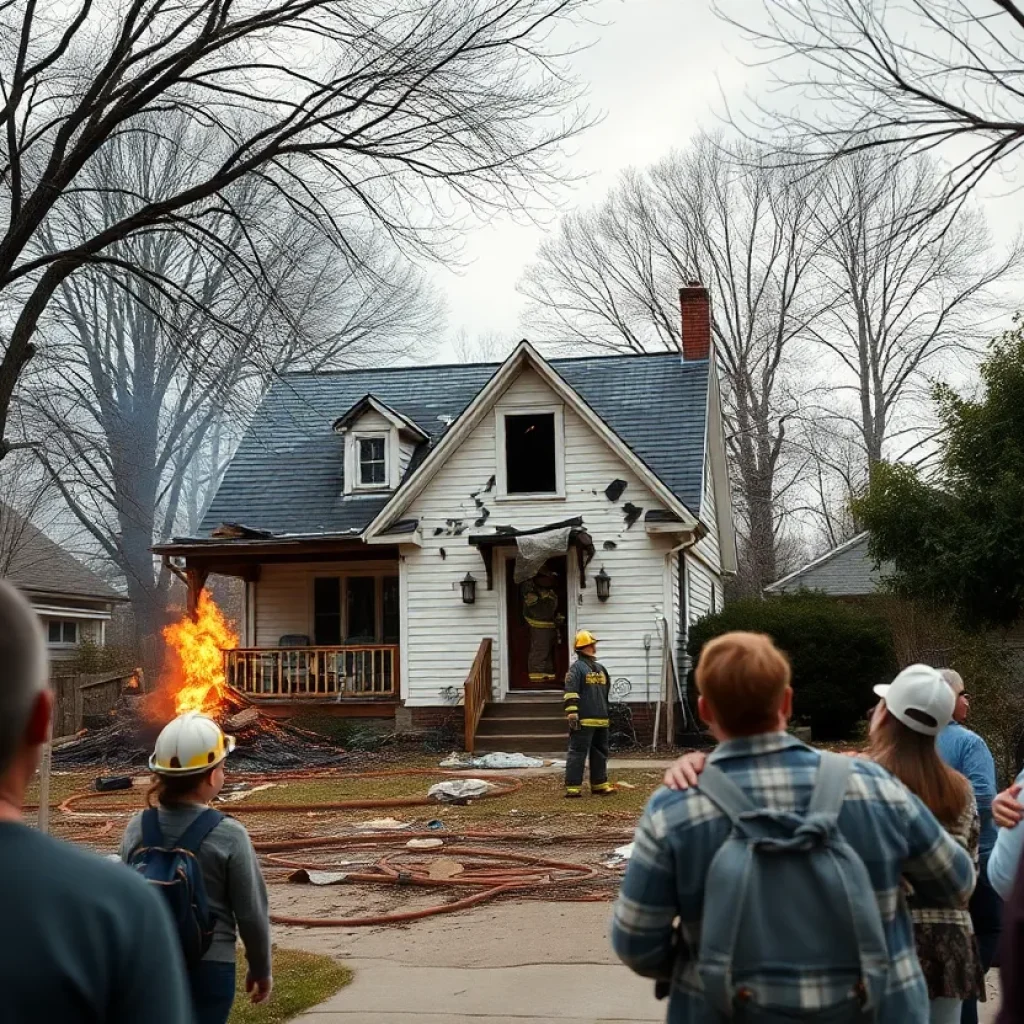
[138, 397]
[909, 77]
[487, 347]
[744, 227]
[27, 502]
[911, 293]
[393, 113]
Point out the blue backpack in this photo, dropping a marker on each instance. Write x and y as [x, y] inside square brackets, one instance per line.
[175, 871]
[787, 897]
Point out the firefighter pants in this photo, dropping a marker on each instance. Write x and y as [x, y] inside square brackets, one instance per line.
[587, 739]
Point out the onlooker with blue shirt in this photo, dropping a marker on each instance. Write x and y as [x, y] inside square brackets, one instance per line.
[966, 752]
[1006, 854]
[746, 700]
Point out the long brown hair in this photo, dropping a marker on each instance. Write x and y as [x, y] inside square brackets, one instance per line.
[911, 756]
[168, 790]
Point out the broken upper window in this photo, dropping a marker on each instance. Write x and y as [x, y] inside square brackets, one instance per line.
[372, 462]
[531, 465]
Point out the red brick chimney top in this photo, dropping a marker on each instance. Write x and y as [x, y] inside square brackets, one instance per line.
[696, 321]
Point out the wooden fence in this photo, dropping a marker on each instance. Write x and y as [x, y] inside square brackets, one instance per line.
[84, 699]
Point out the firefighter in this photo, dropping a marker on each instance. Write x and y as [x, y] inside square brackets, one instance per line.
[540, 611]
[586, 710]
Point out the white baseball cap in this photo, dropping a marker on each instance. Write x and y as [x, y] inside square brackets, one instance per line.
[920, 698]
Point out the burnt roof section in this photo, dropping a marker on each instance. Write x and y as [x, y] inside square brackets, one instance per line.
[39, 566]
[287, 474]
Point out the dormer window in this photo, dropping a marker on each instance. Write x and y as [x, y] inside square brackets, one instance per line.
[379, 446]
[373, 463]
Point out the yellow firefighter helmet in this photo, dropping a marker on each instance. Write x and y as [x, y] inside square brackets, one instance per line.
[584, 638]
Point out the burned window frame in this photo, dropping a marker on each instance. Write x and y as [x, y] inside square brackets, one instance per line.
[557, 413]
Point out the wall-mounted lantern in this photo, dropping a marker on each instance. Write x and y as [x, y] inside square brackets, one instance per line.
[469, 589]
[604, 586]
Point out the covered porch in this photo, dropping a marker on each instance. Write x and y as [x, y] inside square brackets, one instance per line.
[322, 620]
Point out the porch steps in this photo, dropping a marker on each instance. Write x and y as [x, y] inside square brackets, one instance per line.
[523, 725]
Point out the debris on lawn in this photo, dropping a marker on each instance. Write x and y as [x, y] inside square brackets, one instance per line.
[624, 785]
[459, 790]
[444, 867]
[384, 824]
[497, 760]
[424, 844]
[619, 858]
[305, 876]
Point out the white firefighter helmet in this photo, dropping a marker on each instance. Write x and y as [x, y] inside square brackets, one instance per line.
[190, 744]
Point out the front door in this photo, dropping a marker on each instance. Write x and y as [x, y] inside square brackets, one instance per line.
[538, 647]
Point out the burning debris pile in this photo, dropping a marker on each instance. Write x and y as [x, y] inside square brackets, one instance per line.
[197, 683]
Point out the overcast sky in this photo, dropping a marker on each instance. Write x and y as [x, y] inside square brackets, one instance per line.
[656, 71]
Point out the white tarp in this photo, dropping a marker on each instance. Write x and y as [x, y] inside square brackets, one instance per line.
[536, 548]
[493, 761]
[459, 789]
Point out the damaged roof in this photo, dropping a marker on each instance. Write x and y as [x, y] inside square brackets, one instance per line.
[287, 474]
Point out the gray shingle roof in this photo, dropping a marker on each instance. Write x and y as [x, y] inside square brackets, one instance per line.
[286, 476]
[37, 565]
[846, 571]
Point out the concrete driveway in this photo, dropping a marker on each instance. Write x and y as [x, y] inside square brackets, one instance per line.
[526, 963]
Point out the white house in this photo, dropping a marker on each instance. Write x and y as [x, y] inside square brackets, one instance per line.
[378, 517]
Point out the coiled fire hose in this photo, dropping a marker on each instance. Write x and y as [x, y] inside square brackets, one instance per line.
[529, 876]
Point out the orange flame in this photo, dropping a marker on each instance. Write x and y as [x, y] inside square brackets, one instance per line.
[198, 644]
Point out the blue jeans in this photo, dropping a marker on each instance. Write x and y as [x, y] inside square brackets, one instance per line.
[986, 913]
[213, 991]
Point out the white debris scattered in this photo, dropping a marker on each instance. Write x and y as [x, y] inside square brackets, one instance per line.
[625, 852]
[459, 789]
[495, 761]
[384, 824]
[424, 844]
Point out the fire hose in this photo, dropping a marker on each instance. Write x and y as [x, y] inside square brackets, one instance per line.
[529, 875]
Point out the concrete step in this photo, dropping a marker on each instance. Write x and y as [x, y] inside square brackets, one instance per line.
[506, 726]
[521, 743]
[515, 709]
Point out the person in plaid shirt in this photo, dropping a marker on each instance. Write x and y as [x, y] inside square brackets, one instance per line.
[746, 700]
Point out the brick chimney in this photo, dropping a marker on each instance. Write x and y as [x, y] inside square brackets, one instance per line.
[696, 321]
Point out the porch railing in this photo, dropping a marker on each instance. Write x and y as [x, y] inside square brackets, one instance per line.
[478, 691]
[344, 673]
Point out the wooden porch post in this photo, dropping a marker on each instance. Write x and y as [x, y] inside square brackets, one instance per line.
[195, 580]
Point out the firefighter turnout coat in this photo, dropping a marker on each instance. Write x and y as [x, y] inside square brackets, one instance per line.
[586, 692]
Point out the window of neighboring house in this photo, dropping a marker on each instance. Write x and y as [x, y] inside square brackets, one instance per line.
[714, 597]
[361, 608]
[327, 611]
[62, 631]
[372, 462]
[531, 462]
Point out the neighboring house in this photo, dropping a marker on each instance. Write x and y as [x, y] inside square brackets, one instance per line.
[846, 571]
[378, 517]
[73, 603]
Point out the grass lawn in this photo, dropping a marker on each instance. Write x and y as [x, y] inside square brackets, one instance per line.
[301, 980]
[541, 794]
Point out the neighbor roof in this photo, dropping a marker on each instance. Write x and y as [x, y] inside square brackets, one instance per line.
[39, 566]
[846, 571]
[287, 474]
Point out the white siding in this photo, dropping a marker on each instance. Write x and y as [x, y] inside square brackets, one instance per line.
[701, 588]
[405, 453]
[444, 634]
[371, 420]
[709, 547]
